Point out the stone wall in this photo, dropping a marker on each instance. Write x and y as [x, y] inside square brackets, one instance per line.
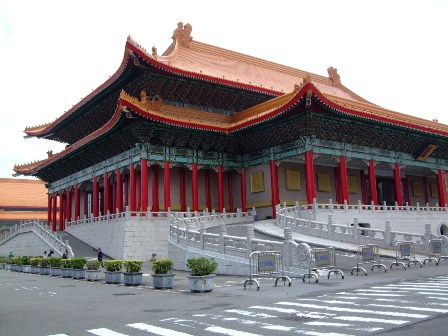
[126, 238]
[24, 244]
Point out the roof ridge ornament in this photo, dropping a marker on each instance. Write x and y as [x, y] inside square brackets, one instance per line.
[182, 34]
[334, 76]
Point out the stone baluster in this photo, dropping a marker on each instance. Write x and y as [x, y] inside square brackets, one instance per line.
[287, 240]
[250, 238]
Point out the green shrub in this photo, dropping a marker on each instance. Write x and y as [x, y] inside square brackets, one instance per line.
[25, 260]
[93, 265]
[34, 261]
[65, 263]
[162, 266]
[43, 262]
[113, 265]
[202, 266]
[55, 262]
[78, 263]
[133, 266]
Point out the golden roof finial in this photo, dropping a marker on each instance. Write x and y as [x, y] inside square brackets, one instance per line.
[183, 34]
[334, 76]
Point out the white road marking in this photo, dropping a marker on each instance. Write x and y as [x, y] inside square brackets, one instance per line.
[157, 330]
[350, 310]
[369, 319]
[230, 332]
[105, 332]
[411, 308]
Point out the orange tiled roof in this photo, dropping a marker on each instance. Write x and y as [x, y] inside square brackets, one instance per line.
[22, 193]
[23, 215]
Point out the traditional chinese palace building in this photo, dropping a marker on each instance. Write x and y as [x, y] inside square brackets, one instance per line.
[203, 127]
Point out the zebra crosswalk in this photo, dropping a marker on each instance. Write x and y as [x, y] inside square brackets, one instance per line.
[347, 313]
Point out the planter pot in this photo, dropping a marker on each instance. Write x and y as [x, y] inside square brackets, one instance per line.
[132, 278]
[93, 275]
[18, 268]
[78, 273]
[163, 281]
[35, 269]
[67, 272]
[45, 270]
[26, 268]
[202, 283]
[8, 267]
[55, 271]
[112, 277]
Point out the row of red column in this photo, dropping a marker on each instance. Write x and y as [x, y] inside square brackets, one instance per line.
[65, 203]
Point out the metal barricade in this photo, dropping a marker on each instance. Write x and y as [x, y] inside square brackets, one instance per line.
[436, 251]
[404, 252]
[266, 264]
[367, 254]
[322, 259]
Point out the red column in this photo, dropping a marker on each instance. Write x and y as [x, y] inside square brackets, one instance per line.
[96, 199]
[343, 177]
[194, 187]
[440, 188]
[220, 189]
[49, 210]
[106, 194]
[309, 174]
[155, 188]
[183, 201]
[86, 203]
[372, 182]
[274, 187]
[126, 191]
[119, 192]
[425, 188]
[144, 184]
[54, 208]
[230, 190]
[61, 211]
[138, 176]
[243, 190]
[362, 177]
[77, 202]
[167, 185]
[114, 197]
[133, 187]
[397, 184]
[406, 188]
[208, 198]
[68, 205]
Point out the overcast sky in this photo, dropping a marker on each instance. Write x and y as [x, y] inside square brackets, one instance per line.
[53, 53]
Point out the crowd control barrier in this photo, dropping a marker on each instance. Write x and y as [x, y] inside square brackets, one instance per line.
[436, 251]
[266, 264]
[322, 259]
[367, 254]
[404, 252]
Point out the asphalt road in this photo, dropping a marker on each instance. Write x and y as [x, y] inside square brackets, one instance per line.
[396, 303]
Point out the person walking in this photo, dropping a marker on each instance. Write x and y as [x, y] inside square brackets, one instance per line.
[100, 257]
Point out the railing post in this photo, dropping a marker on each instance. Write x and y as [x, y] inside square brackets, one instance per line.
[279, 214]
[287, 239]
[187, 233]
[355, 230]
[314, 209]
[201, 235]
[330, 226]
[359, 206]
[250, 238]
[222, 233]
[387, 234]
[427, 236]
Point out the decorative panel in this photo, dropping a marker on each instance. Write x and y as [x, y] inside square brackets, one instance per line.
[257, 182]
[434, 190]
[417, 188]
[292, 179]
[323, 182]
[352, 184]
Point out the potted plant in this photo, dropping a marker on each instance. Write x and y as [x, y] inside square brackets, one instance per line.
[34, 263]
[26, 267]
[77, 264]
[201, 278]
[16, 264]
[162, 277]
[55, 266]
[66, 269]
[44, 266]
[112, 274]
[93, 271]
[132, 276]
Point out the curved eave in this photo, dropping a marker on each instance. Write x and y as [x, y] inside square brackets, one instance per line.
[48, 129]
[30, 170]
[370, 116]
[284, 104]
